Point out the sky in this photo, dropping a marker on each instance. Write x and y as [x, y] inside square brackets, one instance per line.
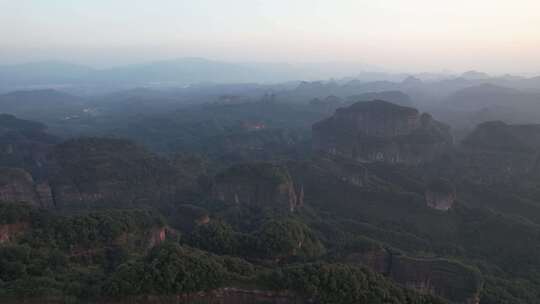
[496, 36]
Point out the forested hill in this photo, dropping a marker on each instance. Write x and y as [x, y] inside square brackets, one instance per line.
[262, 208]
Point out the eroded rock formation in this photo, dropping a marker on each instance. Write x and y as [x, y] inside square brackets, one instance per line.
[17, 185]
[8, 232]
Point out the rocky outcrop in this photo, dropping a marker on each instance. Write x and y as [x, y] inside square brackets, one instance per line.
[444, 278]
[381, 131]
[8, 232]
[440, 194]
[259, 184]
[44, 193]
[17, 185]
[157, 236]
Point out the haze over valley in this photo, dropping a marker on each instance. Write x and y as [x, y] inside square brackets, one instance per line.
[278, 152]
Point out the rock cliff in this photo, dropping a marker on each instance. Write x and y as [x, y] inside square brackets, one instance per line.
[440, 194]
[381, 131]
[441, 277]
[8, 232]
[17, 185]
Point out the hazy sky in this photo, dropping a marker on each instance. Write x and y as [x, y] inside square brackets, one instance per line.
[413, 35]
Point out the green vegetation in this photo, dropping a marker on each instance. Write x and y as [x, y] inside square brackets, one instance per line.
[343, 284]
[167, 270]
[217, 237]
[125, 222]
[283, 238]
[11, 213]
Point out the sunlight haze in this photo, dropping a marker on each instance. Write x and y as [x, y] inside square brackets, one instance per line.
[414, 35]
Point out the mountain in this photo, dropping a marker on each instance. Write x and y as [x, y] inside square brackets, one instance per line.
[499, 136]
[46, 73]
[396, 97]
[381, 131]
[98, 172]
[42, 105]
[24, 144]
[472, 105]
[167, 73]
[248, 193]
[475, 75]
[178, 72]
[489, 95]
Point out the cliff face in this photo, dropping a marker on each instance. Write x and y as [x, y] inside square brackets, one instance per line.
[440, 277]
[440, 194]
[16, 185]
[444, 278]
[156, 236]
[381, 131]
[8, 232]
[260, 184]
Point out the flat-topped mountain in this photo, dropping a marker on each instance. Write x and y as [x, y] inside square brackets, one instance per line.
[396, 97]
[381, 131]
[502, 137]
[498, 151]
[489, 95]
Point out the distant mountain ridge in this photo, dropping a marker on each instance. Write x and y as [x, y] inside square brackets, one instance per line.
[183, 71]
[188, 71]
[40, 104]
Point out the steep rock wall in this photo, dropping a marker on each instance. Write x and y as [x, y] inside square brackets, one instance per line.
[382, 131]
[441, 277]
[8, 232]
[17, 185]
